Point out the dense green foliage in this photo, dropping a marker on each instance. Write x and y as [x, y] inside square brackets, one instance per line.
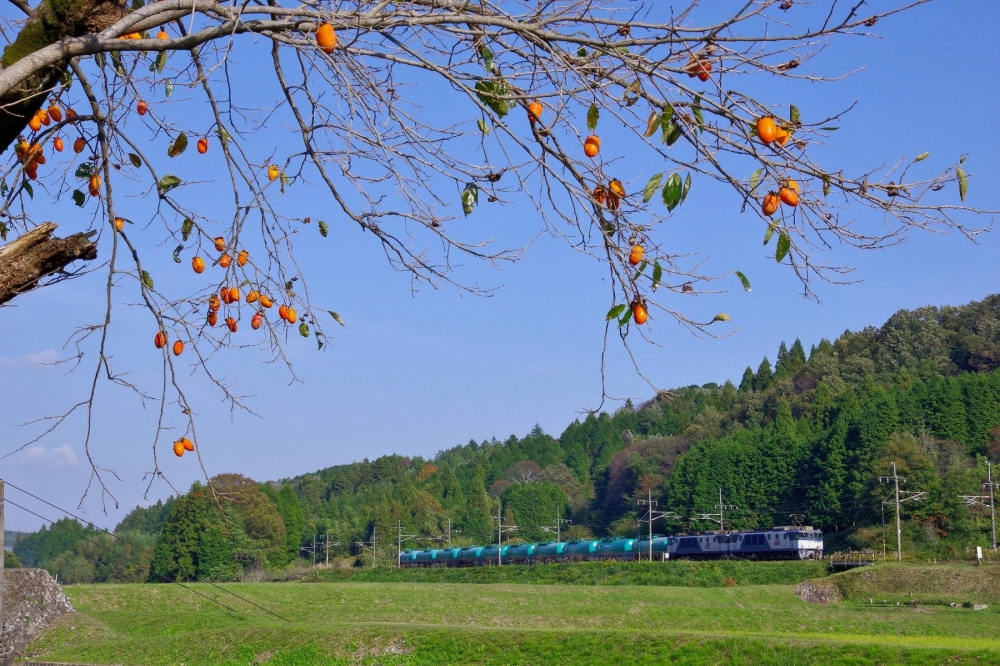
[412, 624]
[810, 435]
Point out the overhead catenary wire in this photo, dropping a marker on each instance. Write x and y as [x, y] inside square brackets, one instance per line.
[137, 547]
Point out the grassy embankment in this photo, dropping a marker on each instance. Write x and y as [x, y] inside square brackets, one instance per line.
[447, 623]
[685, 573]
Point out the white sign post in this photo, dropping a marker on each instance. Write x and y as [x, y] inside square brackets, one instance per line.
[979, 554]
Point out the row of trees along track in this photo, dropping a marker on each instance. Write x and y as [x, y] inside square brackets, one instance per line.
[527, 88]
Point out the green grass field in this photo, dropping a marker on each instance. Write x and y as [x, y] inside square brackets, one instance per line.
[451, 623]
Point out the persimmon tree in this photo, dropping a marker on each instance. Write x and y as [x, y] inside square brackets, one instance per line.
[522, 92]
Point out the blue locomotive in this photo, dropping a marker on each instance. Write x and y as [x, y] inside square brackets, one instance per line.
[777, 543]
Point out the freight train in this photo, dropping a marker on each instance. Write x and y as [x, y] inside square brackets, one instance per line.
[777, 543]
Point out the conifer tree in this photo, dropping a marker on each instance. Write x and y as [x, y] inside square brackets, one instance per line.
[764, 376]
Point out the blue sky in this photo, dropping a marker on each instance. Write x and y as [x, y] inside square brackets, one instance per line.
[413, 373]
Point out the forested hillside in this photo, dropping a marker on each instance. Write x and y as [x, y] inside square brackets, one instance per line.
[810, 434]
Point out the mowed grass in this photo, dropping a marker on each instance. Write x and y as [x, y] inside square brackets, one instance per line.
[686, 573]
[442, 623]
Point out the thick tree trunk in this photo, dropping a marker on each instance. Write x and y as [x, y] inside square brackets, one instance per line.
[23, 262]
[50, 22]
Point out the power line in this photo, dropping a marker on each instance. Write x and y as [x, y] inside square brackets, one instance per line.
[137, 547]
[651, 515]
[909, 495]
[106, 547]
[986, 500]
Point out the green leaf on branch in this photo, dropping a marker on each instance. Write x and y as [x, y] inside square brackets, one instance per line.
[826, 184]
[793, 115]
[30, 190]
[134, 159]
[755, 179]
[147, 279]
[177, 253]
[336, 317]
[168, 183]
[921, 157]
[657, 274]
[3, 231]
[179, 145]
[744, 280]
[186, 228]
[168, 87]
[625, 317]
[963, 183]
[470, 198]
[116, 60]
[696, 108]
[722, 316]
[483, 127]
[672, 192]
[614, 312]
[487, 57]
[493, 94]
[769, 233]
[593, 115]
[304, 330]
[651, 187]
[671, 132]
[159, 63]
[84, 171]
[324, 229]
[686, 188]
[79, 198]
[784, 245]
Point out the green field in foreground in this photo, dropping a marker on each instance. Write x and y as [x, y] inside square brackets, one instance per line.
[445, 623]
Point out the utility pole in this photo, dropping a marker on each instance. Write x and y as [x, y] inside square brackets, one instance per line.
[651, 515]
[989, 482]
[400, 538]
[718, 517]
[500, 532]
[369, 543]
[986, 500]
[327, 544]
[557, 527]
[910, 495]
[314, 550]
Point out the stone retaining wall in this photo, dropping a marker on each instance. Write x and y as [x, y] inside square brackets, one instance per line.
[32, 599]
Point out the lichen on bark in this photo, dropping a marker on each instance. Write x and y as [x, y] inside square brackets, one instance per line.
[50, 22]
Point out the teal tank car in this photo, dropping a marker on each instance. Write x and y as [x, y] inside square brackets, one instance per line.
[490, 554]
[582, 549]
[470, 556]
[550, 551]
[520, 554]
[616, 549]
[660, 548]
